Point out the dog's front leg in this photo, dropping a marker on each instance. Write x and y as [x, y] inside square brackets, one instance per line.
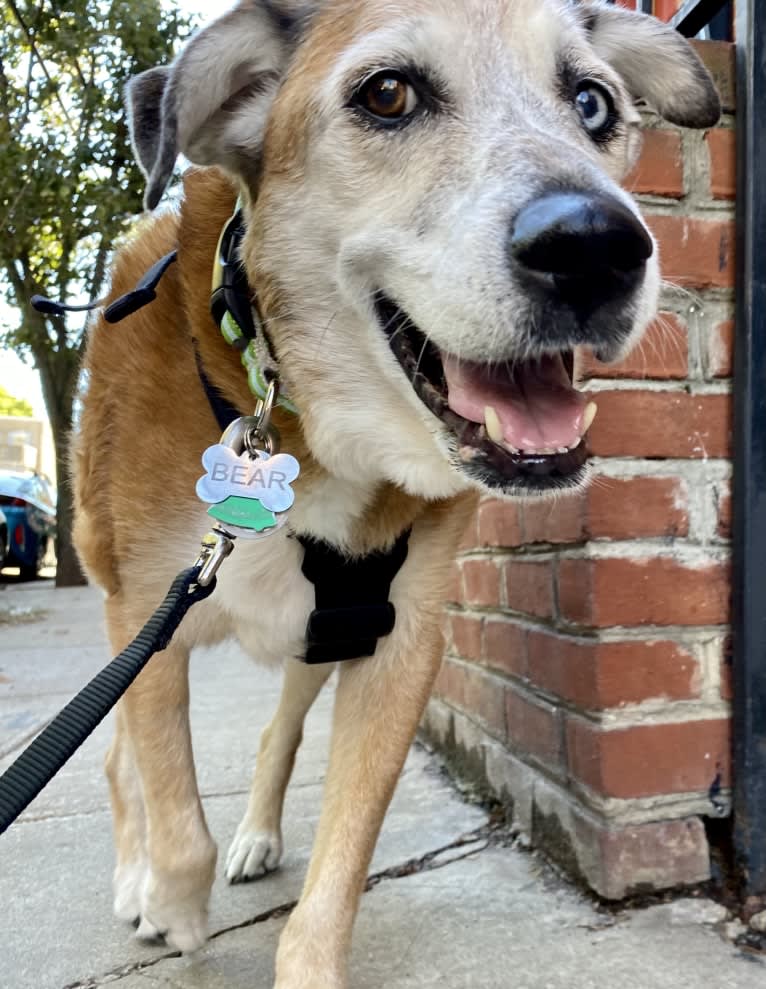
[378, 706]
[167, 882]
[257, 845]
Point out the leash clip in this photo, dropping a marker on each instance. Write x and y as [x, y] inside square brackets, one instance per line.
[216, 546]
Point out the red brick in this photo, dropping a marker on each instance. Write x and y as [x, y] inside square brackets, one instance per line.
[559, 521]
[466, 636]
[651, 591]
[534, 728]
[455, 588]
[614, 860]
[500, 524]
[661, 424]
[450, 684]
[481, 582]
[636, 507]
[722, 149]
[483, 700]
[695, 253]
[470, 538]
[475, 692]
[663, 353]
[721, 350]
[595, 675]
[723, 505]
[660, 169]
[529, 587]
[505, 646]
[647, 760]
[656, 855]
[720, 59]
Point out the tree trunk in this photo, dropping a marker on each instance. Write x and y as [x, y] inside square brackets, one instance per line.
[68, 571]
[58, 375]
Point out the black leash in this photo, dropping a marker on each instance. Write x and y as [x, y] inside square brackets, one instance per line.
[57, 743]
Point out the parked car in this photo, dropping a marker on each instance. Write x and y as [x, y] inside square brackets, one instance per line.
[3, 539]
[28, 502]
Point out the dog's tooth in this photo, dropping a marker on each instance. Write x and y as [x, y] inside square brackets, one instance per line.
[511, 449]
[563, 449]
[493, 424]
[548, 451]
[588, 416]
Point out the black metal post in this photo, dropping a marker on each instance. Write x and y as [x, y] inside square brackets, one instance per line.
[693, 15]
[749, 491]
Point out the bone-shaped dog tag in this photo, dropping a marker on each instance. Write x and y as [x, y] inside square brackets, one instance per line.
[249, 495]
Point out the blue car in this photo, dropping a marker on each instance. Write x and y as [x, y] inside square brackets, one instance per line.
[28, 502]
[3, 538]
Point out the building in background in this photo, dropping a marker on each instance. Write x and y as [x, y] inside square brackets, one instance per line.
[27, 444]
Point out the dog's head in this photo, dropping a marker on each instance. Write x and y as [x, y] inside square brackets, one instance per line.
[435, 219]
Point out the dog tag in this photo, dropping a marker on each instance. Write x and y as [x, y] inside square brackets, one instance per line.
[249, 495]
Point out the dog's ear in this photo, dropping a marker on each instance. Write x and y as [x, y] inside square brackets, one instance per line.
[212, 103]
[656, 63]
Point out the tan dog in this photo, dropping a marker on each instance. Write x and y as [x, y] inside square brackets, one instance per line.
[433, 224]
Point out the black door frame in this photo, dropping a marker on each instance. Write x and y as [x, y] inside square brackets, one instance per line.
[749, 448]
[749, 484]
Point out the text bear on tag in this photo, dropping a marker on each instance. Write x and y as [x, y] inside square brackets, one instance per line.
[265, 479]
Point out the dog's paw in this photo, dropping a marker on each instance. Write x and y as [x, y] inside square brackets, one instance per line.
[175, 910]
[252, 854]
[128, 882]
[183, 927]
[169, 903]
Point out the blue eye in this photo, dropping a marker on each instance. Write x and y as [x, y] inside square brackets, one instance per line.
[595, 108]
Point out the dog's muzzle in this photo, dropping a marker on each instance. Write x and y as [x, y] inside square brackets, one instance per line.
[519, 424]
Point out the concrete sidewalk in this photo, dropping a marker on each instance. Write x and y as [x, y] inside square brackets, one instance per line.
[449, 908]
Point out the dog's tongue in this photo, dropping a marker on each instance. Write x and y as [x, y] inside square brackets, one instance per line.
[534, 401]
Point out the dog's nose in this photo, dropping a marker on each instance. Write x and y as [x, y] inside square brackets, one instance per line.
[587, 248]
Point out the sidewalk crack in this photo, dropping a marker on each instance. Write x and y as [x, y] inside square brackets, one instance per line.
[472, 843]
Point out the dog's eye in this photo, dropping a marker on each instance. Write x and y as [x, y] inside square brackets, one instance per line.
[387, 96]
[596, 109]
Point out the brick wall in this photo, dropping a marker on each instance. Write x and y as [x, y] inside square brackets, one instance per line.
[585, 681]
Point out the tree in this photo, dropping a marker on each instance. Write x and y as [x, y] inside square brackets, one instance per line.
[69, 186]
[10, 406]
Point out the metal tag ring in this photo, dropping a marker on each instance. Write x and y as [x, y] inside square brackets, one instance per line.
[265, 406]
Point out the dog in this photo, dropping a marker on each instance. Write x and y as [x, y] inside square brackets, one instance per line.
[432, 224]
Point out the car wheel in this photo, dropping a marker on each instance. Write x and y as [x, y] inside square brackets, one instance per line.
[31, 571]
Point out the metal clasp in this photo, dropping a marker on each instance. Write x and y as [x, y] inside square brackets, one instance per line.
[216, 546]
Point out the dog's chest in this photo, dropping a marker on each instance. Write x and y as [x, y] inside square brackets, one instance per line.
[265, 598]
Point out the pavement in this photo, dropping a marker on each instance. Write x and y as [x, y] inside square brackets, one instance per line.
[448, 905]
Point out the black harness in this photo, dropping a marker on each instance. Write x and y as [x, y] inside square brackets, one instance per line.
[351, 593]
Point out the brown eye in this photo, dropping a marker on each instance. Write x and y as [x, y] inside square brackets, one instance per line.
[388, 96]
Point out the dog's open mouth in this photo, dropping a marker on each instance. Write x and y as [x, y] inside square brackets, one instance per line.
[518, 425]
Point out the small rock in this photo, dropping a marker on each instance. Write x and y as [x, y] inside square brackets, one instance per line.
[734, 929]
[758, 922]
[691, 911]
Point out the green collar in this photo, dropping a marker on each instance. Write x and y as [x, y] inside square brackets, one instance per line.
[233, 310]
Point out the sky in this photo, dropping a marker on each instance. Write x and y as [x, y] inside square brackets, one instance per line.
[19, 378]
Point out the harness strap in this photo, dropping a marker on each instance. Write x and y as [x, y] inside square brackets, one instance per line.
[225, 413]
[352, 607]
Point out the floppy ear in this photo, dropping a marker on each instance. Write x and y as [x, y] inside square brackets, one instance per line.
[656, 63]
[212, 103]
